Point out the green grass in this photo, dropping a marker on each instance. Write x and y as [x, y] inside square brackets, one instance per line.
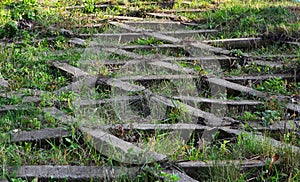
[25, 60]
[254, 18]
[68, 152]
[245, 147]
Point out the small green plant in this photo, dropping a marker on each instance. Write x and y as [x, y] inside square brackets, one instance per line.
[9, 29]
[270, 116]
[274, 85]
[267, 117]
[248, 116]
[224, 147]
[236, 52]
[23, 11]
[169, 177]
[89, 6]
[150, 41]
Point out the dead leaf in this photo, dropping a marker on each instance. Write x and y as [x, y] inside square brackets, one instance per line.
[273, 160]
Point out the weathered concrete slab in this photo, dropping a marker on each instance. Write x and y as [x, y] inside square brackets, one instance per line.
[189, 35]
[123, 52]
[162, 25]
[258, 78]
[3, 84]
[133, 36]
[159, 46]
[172, 66]
[58, 114]
[127, 27]
[237, 43]
[159, 127]
[167, 27]
[97, 103]
[73, 173]
[274, 57]
[200, 169]
[163, 37]
[267, 63]
[164, 15]
[78, 86]
[112, 38]
[207, 137]
[38, 135]
[171, 39]
[236, 87]
[82, 6]
[206, 47]
[158, 77]
[193, 165]
[175, 132]
[120, 150]
[293, 107]
[190, 10]
[119, 84]
[78, 42]
[75, 72]
[23, 93]
[293, 43]
[6, 108]
[271, 141]
[24, 97]
[91, 25]
[31, 99]
[225, 61]
[206, 118]
[219, 101]
[112, 17]
[278, 126]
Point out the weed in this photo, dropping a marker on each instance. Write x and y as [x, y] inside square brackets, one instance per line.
[169, 177]
[274, 85]
[236, 52]
[22, 15]
[150, 41]
[89, 6]
[252, 19]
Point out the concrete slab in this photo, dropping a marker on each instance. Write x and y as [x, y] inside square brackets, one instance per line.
[58, 114]
[38, 135]
[237, 43]
[75, 72]
[73, 173]
[3, 84]
[257, 78]
[118, 149]
[236, 87]
[206, 118]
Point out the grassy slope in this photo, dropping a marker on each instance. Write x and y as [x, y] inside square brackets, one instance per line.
[26, 66]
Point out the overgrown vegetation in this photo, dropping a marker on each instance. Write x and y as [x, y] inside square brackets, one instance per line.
[32, 38]
[273, 19]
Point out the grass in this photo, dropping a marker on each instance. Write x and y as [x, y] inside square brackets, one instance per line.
[30, 44]
[256, 18]
[245, 147]
[68, 152]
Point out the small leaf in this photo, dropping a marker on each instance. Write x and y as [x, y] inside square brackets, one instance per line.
[275, 158]
[69, 140]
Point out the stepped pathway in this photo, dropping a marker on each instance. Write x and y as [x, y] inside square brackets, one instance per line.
[203, 99]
